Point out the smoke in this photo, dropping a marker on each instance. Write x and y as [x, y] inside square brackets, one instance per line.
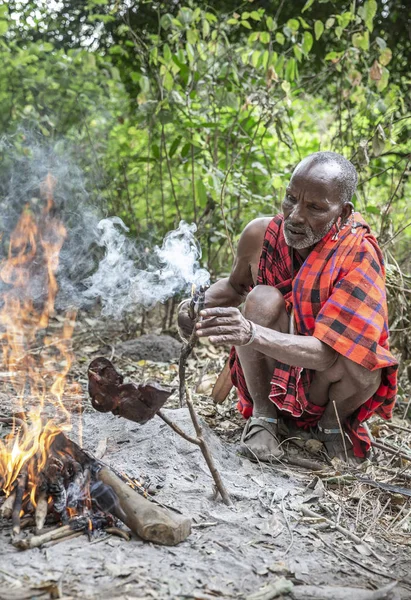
[169, 270]
[99, 261]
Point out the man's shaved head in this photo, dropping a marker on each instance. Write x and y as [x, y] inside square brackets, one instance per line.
[344, 177]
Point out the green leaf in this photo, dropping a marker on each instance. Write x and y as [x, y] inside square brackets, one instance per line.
[144, 84]
[286, 86]
[185, 150]
[293, 24]
[338, 32]
[382, 44]
[297, 51]
[255, 57]
[155, 150]
[369, 12]
[201, 193]
[175, 144]
[167, 53]
[361, 40]
[206, 28]
[383, 82]
[265, 37]
[329, 22]
[318, 29]
[3, 27]
[255, 16]
[271, 24]
[165, 21]
[280, 38]
[192, 36]
[385, 57]
[307, 42]
[290, 69]
[307, 5]
[168, 81]
[253, 37]
[245, 24]
[373, 210]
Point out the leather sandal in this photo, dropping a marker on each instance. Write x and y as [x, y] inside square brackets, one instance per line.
[254, 426]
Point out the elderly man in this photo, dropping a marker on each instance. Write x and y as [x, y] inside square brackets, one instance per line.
[311, 342]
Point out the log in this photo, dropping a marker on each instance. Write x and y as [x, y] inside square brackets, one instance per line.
[6, 508]
[331, 592]
[149, 521]
[20, 489]
[41, 510]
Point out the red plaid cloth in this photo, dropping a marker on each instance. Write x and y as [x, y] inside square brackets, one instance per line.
[338, 295]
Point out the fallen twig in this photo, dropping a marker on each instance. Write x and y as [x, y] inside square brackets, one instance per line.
[330, 592]
[349, 534]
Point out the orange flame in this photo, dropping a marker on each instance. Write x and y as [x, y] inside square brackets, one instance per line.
[36, 362]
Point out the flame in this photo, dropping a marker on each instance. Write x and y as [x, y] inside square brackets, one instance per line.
[35, 361]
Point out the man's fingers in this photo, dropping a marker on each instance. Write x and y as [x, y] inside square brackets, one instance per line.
[219, 312]
[219, 330]
[214, 322]
[222, 340]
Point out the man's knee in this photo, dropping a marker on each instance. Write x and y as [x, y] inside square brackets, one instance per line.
[265, 306]
[344, 368]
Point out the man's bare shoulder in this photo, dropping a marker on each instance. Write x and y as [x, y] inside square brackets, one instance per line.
[253, 233]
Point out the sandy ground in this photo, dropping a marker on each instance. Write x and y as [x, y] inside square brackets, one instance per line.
[231, 553]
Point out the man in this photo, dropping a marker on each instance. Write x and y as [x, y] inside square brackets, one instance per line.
[311, 343]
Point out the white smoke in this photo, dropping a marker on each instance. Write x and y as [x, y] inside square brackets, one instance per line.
[122, 285]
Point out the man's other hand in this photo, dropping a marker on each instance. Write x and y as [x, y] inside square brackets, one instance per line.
[224, 326]
[184, 321]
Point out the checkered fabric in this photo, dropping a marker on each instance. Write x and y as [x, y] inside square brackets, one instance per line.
[338, 295]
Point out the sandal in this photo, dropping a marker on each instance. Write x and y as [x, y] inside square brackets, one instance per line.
[254, 426]
[334, 445]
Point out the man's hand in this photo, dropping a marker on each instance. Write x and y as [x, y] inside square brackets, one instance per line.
[224, 326]
[184, 321]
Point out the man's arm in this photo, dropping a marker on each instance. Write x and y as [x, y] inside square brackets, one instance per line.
[232, 290]
[227, 326]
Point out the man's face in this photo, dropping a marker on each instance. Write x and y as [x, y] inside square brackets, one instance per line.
[311, 205]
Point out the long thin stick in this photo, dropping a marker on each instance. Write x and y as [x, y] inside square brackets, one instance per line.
[341, 431]
[206, 452]
[177, 429]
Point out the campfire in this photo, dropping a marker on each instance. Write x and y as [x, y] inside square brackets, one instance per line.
[47, 482]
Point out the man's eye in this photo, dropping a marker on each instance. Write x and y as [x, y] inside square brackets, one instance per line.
[289, 199]
[315, 207]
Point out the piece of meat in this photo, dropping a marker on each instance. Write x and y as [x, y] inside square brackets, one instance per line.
[136, 402]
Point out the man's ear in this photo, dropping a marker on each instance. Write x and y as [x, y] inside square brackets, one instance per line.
[346, 211]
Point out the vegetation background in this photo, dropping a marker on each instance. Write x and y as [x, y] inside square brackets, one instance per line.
[200, 110]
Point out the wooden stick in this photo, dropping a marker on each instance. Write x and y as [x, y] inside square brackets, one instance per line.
[186, 350]
[391, 450]
[20, 489]
[35, 541]
[177, 429]
[41, 510]
[309, 513]
[331, 592]
[341, 431]
[149, 521]
[206, 452]
[6, 509]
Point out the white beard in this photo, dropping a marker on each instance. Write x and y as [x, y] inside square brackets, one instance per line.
[310, 238]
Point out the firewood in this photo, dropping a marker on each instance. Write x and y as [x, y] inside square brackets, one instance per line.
[35, 541]
[146, 519]
[41, 510]
[149, 521]
[18, 501]
[6, 508]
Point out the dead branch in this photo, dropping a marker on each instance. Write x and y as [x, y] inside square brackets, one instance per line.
[20, 488]
[177, 429]
[206, 452]
[349, 534]
[6, 508]
[391, 450]
[328, 592]
[41, 510]
[35, 541]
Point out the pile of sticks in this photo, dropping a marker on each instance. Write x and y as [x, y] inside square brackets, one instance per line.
[82, 495]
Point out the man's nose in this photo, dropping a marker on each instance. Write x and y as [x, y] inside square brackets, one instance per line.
[297, 215]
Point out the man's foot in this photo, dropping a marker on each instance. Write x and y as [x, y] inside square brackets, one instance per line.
[335, 447]
[259, 440]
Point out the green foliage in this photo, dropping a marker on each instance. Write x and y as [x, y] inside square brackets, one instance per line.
[188, 111]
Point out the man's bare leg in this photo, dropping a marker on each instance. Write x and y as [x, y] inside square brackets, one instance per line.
[342, 389]
[264, 306]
